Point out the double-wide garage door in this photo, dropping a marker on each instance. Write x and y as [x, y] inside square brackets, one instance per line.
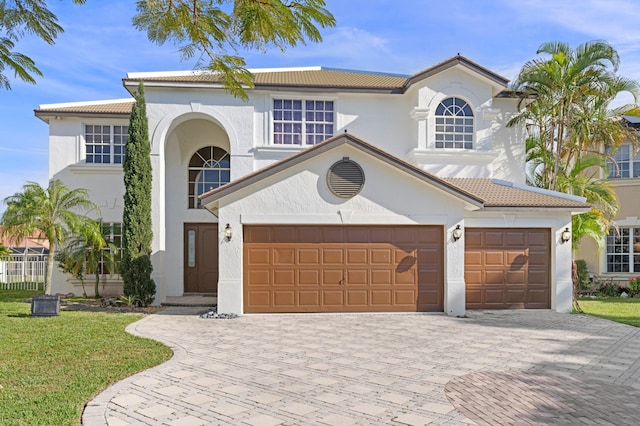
[507, 268]
[343, 268]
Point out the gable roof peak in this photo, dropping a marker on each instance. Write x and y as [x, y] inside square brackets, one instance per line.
[458, 60]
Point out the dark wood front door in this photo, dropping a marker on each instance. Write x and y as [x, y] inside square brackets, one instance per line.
[200, 257]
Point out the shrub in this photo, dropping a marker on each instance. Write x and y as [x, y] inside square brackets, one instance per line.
[583, 273]
[634, 286]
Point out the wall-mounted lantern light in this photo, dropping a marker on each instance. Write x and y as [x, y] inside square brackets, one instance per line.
[565, 236]
[457, 233]
[228, 232]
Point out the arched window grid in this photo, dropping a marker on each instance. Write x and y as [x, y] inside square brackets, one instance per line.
[454, 124]
[209, 168]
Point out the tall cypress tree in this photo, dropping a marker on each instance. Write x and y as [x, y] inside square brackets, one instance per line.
[137, 233]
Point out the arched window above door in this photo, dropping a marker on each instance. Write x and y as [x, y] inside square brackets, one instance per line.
[209, 168]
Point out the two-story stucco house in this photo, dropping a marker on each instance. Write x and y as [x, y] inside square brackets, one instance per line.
[330, 191]
[620, 259]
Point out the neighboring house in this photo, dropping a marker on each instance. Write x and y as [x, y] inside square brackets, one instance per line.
[415, 201]
[620, 259]
[34, 246]
[26, 261]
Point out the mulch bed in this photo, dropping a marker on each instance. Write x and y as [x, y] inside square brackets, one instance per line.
[99, 305]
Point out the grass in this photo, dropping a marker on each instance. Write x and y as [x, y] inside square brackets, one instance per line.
[50, 367]
[626, 311]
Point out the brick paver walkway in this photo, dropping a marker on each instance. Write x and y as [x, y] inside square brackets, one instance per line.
[496, 367]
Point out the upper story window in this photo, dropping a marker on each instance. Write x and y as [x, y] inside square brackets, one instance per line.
[623, 250]
[454, 124]
[105, 144]
[209, 168]
[302, 122]
[624, 165]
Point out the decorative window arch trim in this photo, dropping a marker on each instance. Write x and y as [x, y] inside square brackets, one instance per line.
[454, 124]
[208, 168]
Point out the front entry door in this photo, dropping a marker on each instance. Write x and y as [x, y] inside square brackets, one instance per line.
[200, 257]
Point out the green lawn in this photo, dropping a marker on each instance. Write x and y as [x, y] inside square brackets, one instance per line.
[50, 367]
[626, 311]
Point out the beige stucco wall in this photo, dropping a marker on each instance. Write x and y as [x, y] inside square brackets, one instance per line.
[628, 193]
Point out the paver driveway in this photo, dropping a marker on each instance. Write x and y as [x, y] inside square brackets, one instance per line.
[495, 367]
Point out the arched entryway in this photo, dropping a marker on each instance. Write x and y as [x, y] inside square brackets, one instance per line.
[197, 159]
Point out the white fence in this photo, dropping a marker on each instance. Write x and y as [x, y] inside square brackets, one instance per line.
[22, 272]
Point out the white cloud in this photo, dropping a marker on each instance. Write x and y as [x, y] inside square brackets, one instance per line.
[613, 20]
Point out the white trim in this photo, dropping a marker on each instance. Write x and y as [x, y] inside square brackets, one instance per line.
[188, 73]
[277, 152]
[86, 103]
[96, 168]
[629, 221]
[540, 190]
[451, 156]
[331, 219]
[624, 181]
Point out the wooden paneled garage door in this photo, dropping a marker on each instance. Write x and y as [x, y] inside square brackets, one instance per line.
[343, 268]
[507, 268]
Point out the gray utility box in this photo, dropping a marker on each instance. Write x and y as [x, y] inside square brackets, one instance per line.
[45, 306]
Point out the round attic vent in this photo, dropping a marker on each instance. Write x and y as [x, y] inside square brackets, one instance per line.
[345, 178]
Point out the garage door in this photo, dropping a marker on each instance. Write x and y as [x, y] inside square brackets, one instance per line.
[343, 268]
[507, 268]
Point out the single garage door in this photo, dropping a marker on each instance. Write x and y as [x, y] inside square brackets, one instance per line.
[343, 268]
[507, 268]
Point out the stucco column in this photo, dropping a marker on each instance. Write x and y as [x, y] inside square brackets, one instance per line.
[421, 115]
[454, 285]
[158, 215]
[562, 285]
[230, 265]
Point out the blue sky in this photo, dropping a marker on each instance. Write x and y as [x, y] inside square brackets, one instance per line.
[99, 46]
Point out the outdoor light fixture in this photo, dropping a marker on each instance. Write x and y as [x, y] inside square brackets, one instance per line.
[228, 232]
[566, 235]
[457, 233]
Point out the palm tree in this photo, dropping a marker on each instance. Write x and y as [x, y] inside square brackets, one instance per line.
[53, 212]
[583, 179]
[91, 252]
[566, 99]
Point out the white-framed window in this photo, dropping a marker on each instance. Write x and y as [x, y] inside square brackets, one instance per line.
[209, 168]
[454, 124]
[302, 121]
[623, 250]
[104, 143]
[623, 165]
[112, 233]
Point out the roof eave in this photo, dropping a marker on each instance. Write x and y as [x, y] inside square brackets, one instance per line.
[46, 115]
[572, 209]
[131, 84]
[325, 88]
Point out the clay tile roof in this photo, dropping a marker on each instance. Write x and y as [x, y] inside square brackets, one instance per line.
[98, 108]
[330, 78]
[498, 193]
[305, 77]
[34, 240]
